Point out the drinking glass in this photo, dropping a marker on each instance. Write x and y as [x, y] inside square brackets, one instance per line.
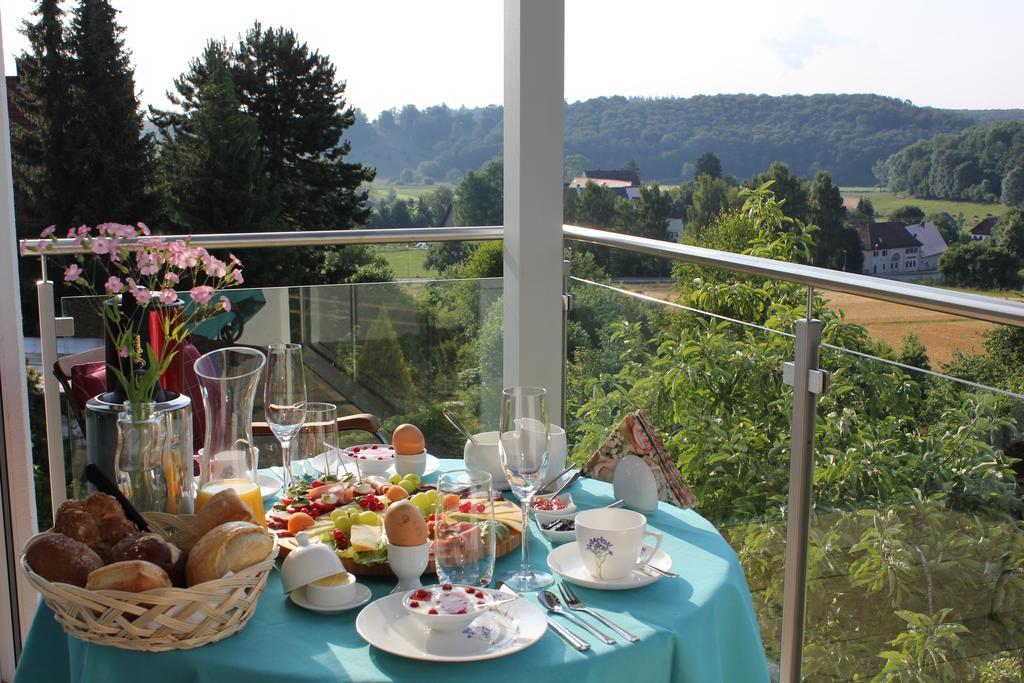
[284, 400]
[318, 440]
[523, 447]
[465, 532]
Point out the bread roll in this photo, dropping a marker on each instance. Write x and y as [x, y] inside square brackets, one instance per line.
[77, 523]
[152, 548]
[224, 506]
[133, 576]
[230, 547]
[60, 559]
[101, 505]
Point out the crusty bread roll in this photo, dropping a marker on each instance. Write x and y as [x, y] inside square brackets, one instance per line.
[152, 548]
[133, 576]
[101, 505]
[229, 547]
[224, 506]
[75, 522]
[55, 557]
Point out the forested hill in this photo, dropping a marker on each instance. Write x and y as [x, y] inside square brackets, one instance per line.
[844, 134]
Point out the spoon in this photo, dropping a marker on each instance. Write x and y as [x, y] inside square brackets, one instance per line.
[457, 423]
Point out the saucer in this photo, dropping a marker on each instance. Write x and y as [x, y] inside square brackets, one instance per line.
[387, 625]
[361, 597]
[565, 561]
[269, 485]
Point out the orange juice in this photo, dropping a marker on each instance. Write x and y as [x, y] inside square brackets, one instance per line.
[247, 490]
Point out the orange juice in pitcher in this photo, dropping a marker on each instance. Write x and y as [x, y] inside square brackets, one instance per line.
[247, 490]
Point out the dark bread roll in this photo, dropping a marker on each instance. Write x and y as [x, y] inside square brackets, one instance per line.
[77, 523]
[101, 505]
[113, 529]
[60, 559]
[152, 548]
[133, 576]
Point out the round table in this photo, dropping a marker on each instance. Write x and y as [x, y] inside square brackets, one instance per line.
[698, 627]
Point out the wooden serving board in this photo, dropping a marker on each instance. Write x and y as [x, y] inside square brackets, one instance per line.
[287, 544]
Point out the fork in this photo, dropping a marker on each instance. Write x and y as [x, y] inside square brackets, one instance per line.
[553, 604]
[573, 602]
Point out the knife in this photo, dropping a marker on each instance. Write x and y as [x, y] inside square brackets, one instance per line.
[96, 477]
[566, 635]
[551, 482]
[572, 480]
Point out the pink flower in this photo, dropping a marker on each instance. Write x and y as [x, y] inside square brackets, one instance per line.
[142, 295]
[113, 284]
[100, 245]
[168, 295]
[123, 352]
[72, 273]
[237, 275]
[201, 294]
[48, 231]
[148, 262]
[170, 278]
[234, 260]
[41, 245]
[214, 266]
[144, 228]
[225, 303]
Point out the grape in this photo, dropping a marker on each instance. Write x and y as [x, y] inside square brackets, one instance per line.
[369, 518]
[338, 513]
[432, 496]
[408, 485]
[354, 512]
[344, 523]
[395, 478]
[413, 478]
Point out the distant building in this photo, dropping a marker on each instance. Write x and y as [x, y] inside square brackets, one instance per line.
[889, 248]
[932, 245]
[851, 203]
[613, 179]
[675, 224]
[983, 230]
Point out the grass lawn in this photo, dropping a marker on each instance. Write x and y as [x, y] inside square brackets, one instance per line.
[406, 261]
[381, 189]
[887, 202]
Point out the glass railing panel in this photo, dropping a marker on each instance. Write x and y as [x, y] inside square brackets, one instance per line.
[916, 545]
[713, 386]
[400, 351]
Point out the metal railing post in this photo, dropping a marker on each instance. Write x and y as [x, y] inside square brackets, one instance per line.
[51, 393]
[566, 309]
[807, 381]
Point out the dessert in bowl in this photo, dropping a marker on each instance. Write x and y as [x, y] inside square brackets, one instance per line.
[547, 509]
[450, 607]
[371, 459]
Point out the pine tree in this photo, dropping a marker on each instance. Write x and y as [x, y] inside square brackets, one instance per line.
[382, 365]
[211, 171]
[42, 180]
[302, 115]
[112, 158]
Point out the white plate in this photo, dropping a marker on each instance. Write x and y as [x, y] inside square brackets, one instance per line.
[387, 625]
[565, 561]
[269, 485]
[361, 597]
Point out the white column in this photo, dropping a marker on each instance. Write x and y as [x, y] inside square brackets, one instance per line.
[17, 491]
[534, 139]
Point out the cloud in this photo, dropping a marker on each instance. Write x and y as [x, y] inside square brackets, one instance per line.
[807, 37]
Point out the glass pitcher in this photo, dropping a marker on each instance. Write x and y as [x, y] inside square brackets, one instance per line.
[228, 379]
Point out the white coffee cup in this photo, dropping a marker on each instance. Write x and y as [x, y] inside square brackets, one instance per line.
[611, 542]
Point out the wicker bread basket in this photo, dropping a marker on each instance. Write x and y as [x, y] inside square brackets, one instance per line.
[162, 619]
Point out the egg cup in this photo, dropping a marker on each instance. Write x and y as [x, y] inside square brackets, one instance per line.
[408, 562]
[411, 464]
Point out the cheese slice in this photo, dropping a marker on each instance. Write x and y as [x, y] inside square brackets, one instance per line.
[365, 538]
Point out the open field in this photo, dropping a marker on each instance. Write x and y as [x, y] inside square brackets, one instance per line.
[941, 334]
[380, 190]
[406, 261]
[887, 202]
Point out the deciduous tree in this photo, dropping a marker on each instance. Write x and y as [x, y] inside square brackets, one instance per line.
[708, 164]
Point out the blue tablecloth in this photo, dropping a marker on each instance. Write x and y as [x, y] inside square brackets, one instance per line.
[699, 627]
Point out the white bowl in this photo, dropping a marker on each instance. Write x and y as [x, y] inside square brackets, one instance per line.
[371, 458]
[308, 563]
[411, 464]
[547, 515]
[558, 537]
[330, 591]
[443, 621]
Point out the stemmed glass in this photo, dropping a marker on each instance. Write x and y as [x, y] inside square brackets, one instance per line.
[523, 446]
[284, 400]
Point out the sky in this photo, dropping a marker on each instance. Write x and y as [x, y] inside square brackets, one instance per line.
[942, 53]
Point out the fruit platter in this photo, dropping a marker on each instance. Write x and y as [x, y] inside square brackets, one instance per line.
[351, 516]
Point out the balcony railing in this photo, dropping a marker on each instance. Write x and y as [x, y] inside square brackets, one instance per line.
[809, 561]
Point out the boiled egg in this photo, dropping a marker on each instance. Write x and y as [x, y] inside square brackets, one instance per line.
[408, 440]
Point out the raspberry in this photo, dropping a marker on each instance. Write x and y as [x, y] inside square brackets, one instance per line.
[465, 506]
[446, 587]
[480, 507]
[432, 611]
[413, 603]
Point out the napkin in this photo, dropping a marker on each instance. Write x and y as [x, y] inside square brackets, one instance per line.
[636, 435]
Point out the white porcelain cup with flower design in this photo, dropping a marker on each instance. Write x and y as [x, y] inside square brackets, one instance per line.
[611, 542]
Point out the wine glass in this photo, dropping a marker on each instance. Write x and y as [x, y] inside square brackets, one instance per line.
[318, 441]
[523, 445]
[284, 400]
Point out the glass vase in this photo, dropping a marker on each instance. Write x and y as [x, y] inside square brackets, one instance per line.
[139, 460]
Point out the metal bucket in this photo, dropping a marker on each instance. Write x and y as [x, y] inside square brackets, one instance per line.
[101, 446]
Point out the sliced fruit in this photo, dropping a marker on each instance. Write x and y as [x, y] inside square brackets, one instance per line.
[299, 522]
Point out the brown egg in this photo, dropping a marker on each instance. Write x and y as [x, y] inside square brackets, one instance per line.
[408, 440]
[404, 524]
